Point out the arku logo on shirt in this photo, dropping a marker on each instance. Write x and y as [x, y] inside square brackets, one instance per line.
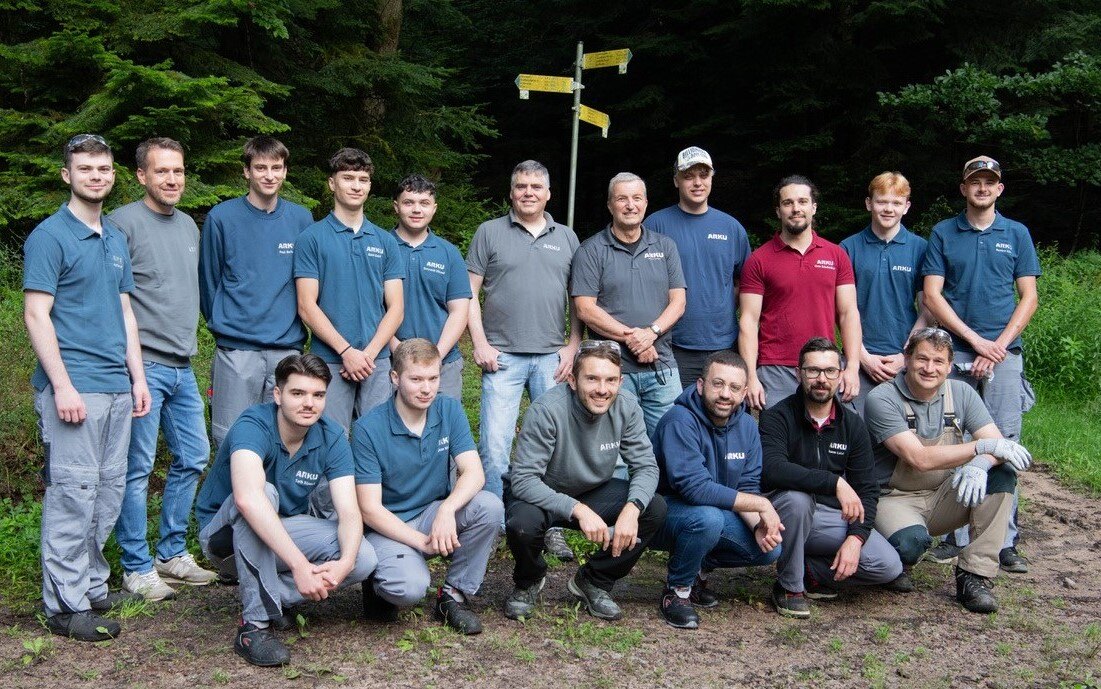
[285, 248]
[1003, 247]
[614, 445]
[117, 261]
[714, 235]
[838, 448]
[552, 247]
[374, 251]
[731, 456]
[433, 267]
[654, 255]
[825, 264]
[306, 478]
[444, 444]
[904, 269]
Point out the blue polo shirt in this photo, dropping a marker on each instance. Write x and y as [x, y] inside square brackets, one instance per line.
[888, 278]
[979, 270]
[414, 471]
[435, 275]
[350, 268]
[85, 272]
[324, 452]
[713, 248]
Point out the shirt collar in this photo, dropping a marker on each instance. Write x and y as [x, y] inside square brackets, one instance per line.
[514, 221]
[902, 237]
[430, 240]
[397, 425]
[830, 420]
[334, 223]
[779, 245]
[645, 239]
[77, 226]
[1000, 223]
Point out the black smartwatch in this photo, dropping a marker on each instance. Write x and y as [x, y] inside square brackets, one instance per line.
[637, 503]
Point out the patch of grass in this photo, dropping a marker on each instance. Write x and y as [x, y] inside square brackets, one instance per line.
[882, 634]
[20, 570]
[835, 645]
[579, 637]
[793, 635]
[1061, 434]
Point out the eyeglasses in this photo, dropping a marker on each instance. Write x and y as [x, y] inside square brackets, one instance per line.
[83, 138]
[938, 336]
[812, 372]
[594, 345]
[976, 165]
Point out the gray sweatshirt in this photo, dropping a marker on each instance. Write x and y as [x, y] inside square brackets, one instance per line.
[565, 451]
[164, 252]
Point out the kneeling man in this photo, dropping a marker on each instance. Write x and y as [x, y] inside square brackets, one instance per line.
[818, 459]
[404, 450]
[933, 481]
[252, 507]
[572, 437]
[709, 453]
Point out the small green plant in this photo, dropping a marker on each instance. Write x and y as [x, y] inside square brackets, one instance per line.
[87, 675]
[300, 623]
[793, 635]
[1003, 649]
[882, 634]
[37, 649]
[874, 670]
[220, 676]
[835, 645]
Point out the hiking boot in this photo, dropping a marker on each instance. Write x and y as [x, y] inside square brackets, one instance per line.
[678, 612]
[701, 596]
[521, 604]
[818, 590]
[943, 553]
[183, 569]
[114, 598]
[596, 600]
[456, 614]
[790, 604]
[259, 646]
[903, 584]
[83, 626]
[375, 607]
[1011, 561]
[554, 541]
[149, 585]
[973, 592]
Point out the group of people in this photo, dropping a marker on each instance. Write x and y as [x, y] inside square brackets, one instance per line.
[355, 463]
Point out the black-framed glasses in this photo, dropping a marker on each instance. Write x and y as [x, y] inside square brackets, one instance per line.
[976, 165]
[812, 372]
[84, 138]
[593, 345]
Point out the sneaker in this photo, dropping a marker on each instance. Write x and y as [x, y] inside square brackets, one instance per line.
[597, 601]
[903, 584]
[678, 612]
[521, 604]
[259, 646]
[456, 614]
[83, 626]
[789, 604]
[701, 596]
[183, 569]
[943, 553]
[818, 590]
[1011, 561]
[375, 607]
[114, 598]
[555, 542]
[149, 586]
[973, 592]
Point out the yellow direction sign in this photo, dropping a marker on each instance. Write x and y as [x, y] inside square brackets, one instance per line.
[540, 82]
[600, 119]
[607, 58]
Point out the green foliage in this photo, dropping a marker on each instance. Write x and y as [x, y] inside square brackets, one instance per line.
[20, 573]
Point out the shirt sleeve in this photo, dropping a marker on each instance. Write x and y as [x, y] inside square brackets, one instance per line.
[753, 281]
[478, 255]
[742, 250]
[459, 429]
[750, 480]
[638, 454]
[210, 263]
[368, 469]
[534, 447]
[458, 284]
[676, 272]
[340, 457]
[919, 262]
[970, 409]
[1028, 263]
[678, 445]
[860, 474]
[126, 280]
[306, 263]
[883, 414]
[249, 433]
[42, 263]
[934, 255]
[394, 267]
[585, 272]
[845, 274]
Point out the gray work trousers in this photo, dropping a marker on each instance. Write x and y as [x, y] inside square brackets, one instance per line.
[813, 533]
[402, 574]
[451, 379]
[779, 382]
[266, 583]
[347, 400]
[240, 378]
[85, 476]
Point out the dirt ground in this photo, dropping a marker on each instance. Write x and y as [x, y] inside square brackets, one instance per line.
[1047, 633]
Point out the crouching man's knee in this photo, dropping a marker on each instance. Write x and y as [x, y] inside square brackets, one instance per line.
[1001, 479]
[911, 543]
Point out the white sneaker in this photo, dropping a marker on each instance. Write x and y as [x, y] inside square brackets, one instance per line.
[149, 585]
[183, 569]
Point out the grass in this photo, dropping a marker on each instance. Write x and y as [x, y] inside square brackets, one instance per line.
[1062, 433]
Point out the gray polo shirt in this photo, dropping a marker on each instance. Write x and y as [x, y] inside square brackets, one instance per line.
[632, 287]
[525, 283]
[164, 252]
[885, 416]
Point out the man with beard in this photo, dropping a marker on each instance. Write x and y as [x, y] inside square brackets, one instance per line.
[89, 382]
[794, 287]
[709, 453]
[818, 460]
[980, 284]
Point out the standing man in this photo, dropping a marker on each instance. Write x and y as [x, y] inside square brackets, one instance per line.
[89, 382]
[709, 453]
[404, 450]
[163, 244]
[974, 263]
[932, 479]
[523, 261]
[627, 285]
[348, 274]
[886, 260]
[252, 507]
[794, 287]
[713, 248]
[437, 290]
[572, 438]
[818, 460]
[246, 291]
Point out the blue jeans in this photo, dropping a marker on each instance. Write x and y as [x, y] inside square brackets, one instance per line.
[654, 396]
[704, 537]
[177, 410]
[501, 392]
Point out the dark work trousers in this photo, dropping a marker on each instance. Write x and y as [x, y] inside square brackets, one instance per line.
[525, 525]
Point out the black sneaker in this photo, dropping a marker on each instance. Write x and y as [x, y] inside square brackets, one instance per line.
[973, 592]
[260, 647]
[554, 541]
[597, 601]
[115, 598]
[678, 612]
[943, 553]
[456, 614]
[790, 604]
[83, 626]
[701, 596]
[375, 607]
[903, 584]
[818, 590]
[1011, 561]
[521, 604]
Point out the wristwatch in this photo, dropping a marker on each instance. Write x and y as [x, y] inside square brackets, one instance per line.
[637, 503]
[654, 328]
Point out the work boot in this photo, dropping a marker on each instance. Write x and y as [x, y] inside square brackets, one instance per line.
[676, 611]
[554, 540]
[790, 604]
[596, 600]
[521, 604]
[260, 646]
[973, 592]
[83, 626]
[456, 614]
[1011, 561]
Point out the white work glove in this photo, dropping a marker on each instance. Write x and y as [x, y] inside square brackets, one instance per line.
[1012, 453]
[970, 481]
